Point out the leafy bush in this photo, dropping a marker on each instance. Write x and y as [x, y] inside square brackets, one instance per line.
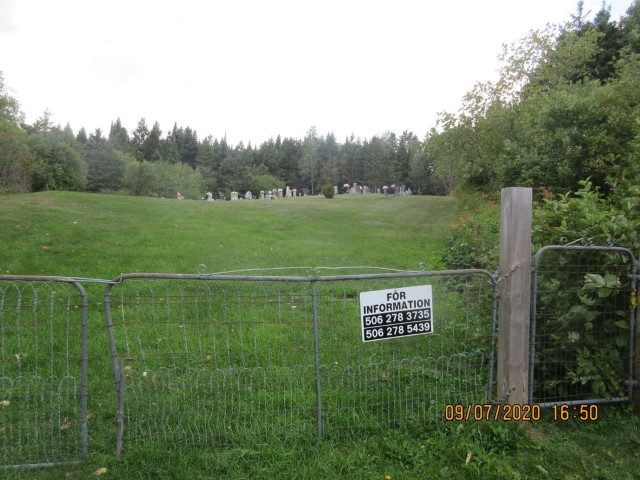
[583, 307]
[475, 239]
[162, 179]
[584, 297]
[327, 191]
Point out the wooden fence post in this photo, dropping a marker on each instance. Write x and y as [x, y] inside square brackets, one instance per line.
[515, 295]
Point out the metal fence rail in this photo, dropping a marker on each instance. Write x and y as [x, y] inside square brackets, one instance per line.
[582, 324]
[43, 371]
[226, 360]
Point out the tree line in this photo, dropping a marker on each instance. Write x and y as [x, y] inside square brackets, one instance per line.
[564, 108]
[143, 161]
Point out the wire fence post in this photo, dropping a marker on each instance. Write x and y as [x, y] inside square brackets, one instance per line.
[84, 368]
[492, 353]
[316, 356]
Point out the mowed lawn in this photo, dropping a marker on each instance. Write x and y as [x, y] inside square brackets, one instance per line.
[101, 236]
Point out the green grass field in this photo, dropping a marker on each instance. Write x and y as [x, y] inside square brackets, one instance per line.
[57, 233]
[101, 236]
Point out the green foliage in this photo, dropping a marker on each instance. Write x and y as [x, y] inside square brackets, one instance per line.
[302, 164]
[106, 164]
[564, 109]
[15, 158]
[584, 336]
[474, 239]
[612, 219]
[582, 311]
[309, 160]
[57, 163]
[257, 179]
[162, 179]
[140, 178]
[327, 191]
[590, 328]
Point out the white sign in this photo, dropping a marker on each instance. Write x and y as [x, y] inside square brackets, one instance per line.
[398, 312]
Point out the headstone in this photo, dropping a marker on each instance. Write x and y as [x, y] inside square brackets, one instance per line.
[248, 196]
[234, 196]
[335, 190]
[294, 192]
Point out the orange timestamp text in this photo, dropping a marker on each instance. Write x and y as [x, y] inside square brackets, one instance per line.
[492, 411]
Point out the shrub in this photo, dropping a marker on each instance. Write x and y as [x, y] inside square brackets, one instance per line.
[327, 191]
[475, 239]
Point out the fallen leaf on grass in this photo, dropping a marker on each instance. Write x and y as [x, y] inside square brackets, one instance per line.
[469, 458]
[91, 416]
[5, 403]
[100, 471]
[65, 426]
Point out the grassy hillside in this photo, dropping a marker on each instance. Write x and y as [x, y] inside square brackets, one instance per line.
[101, 236]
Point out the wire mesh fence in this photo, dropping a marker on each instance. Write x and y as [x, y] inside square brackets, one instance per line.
[583, 322]
[211, 361]
[235, 360]
[43, 372]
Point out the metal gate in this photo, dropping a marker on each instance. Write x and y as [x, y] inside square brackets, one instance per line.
[237, 359]
[43, 371]
[582, 324]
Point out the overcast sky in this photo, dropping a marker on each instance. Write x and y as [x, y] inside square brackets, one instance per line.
[253, 69]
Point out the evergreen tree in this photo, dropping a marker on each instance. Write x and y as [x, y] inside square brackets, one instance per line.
[119, 137]
[139, 136]
[169, 149]
[151, 144]
[81, 137]
[309, 160]
[106, 165]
